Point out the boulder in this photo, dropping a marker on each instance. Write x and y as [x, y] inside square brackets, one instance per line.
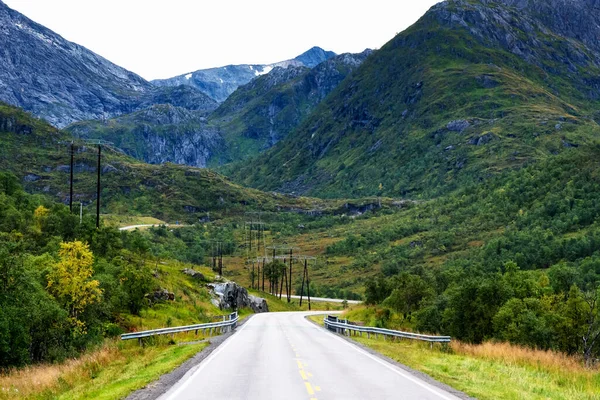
[194, 274]
[160, 295]
[458, 125]
[32, 178]
[231, 296]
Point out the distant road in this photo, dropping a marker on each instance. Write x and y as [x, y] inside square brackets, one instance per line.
[132, 227]
[284, 356]
[328, 300]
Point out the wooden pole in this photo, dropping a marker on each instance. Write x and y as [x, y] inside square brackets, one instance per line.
[307, 284]
[98, 188]
[303, 277]
[289, 285]
[71, 180]
[283, 277]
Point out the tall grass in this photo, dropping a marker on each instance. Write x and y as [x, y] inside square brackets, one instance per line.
[517, 355]
[49, 378]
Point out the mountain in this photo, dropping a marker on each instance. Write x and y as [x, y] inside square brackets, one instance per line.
[472, 89]
[220, 83]
[63, 82]
[314, 56]
[159, 134]
[255, 117]
[38, 154]
[263, 112]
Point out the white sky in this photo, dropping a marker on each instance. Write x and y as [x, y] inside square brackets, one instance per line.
[161, 39]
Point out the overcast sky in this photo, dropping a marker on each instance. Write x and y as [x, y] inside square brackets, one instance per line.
[161, 39]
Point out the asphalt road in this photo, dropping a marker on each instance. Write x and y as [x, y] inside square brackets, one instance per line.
[284, 356]
[324, 299]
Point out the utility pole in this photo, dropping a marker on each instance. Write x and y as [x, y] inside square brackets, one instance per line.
[305, 277]
[80, 213]
[289, 285]
[252, 276]
[307, 282]
[98, 188]
[71, 180]
[302, 288]
[220, 259]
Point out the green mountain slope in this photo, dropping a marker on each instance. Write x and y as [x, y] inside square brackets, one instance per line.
[39, 155]
[263, 112]
[471, 89]
[251, 120]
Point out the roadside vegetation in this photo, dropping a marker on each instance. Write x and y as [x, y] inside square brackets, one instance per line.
[496, 371]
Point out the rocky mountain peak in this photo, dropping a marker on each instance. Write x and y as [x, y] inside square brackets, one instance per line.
[219, 83]
[575, 19]
[314, 56]
[63, 82]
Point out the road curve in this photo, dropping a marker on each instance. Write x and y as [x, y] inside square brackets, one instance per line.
[132, 227]
[324, 299]
[284, 356]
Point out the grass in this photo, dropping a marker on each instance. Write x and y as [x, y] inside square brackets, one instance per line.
[111, 372]
[119, 368]
[498, 371]
[128, 220]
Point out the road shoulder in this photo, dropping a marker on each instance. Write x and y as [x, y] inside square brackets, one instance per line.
[161, 386]
[418, 374]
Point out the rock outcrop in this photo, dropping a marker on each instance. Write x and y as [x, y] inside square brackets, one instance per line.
[63, 82]
[158, 134]
[231, 296]
[199, 276]
[160, 295]
[220, 83]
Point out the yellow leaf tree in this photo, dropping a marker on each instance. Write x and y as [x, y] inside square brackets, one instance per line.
[39, 216]
[70, 280]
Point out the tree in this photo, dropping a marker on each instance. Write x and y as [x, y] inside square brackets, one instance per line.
[39, 216]
[70, 281]
[409, 291]
[136, 280]
[376, 290]
[591, 336]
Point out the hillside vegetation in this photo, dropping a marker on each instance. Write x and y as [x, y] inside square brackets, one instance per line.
[470, 90]
[40, 156]
[512, 259]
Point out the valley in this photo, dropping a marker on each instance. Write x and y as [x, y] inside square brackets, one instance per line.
[447, 182]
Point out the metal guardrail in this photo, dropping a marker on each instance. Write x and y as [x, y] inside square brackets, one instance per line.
[334, 324]
[227, 325]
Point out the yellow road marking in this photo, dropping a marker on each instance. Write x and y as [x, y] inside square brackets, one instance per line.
[309, 388]
[318, 388]
[310, 375]
[299, 364]
[303, 374]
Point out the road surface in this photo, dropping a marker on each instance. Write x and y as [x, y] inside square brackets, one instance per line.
[284, 356]
[321, 299]
[132, 227]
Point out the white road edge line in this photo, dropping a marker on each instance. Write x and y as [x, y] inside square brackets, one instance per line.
[383, 362]
[202, 365]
